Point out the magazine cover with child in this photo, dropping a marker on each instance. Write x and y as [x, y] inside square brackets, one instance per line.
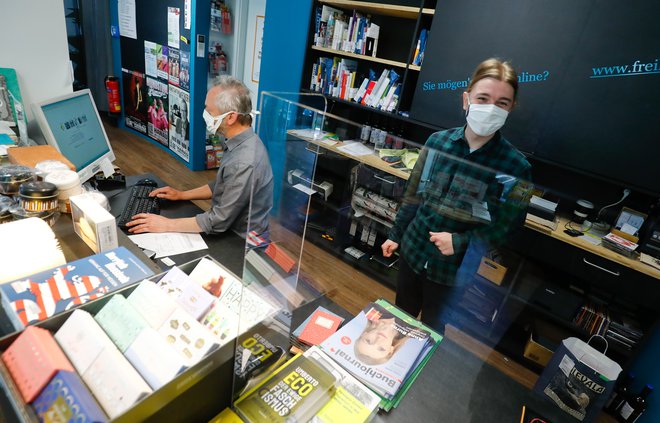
[378, 347]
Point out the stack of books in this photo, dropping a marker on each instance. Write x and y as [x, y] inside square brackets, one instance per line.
[542, 211]
[384, 348]
[624, 332]
[338, 31]
[338, 78]
[593, 318]
[134, 344]
[367, 364]
[619, 245]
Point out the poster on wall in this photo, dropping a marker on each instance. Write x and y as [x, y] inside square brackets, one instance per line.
[126, 13]
[173, 15]
[161, 62]
[151, 59]
[256, 52]
[173, 61]
[184, 70]
[157, 118]
[179, 122]
[135, 100]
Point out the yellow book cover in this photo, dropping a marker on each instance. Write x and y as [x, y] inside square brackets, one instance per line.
[295, 394]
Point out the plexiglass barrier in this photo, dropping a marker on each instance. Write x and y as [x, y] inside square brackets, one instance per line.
[442, 229]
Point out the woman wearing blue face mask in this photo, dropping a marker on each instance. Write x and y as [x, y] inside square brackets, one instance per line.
[453, 199]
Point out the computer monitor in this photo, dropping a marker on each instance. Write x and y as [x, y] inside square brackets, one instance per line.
[72, 124]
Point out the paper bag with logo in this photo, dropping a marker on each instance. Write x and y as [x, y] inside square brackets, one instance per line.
[578, 378]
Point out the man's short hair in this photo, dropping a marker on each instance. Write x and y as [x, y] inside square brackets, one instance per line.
[233, 96]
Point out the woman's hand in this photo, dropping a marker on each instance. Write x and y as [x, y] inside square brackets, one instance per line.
[442, 240]
[389, 247]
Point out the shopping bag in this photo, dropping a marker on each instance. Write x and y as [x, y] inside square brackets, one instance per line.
[579, 378]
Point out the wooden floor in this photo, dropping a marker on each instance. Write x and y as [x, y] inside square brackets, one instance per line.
[342, 283]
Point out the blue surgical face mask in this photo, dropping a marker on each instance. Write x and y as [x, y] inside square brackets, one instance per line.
[213, 122]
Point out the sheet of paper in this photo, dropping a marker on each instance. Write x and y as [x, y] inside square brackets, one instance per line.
[169, 243]
[355, 148]
[150, 59]
[186, 14]
[173, 14]
[629, 229]
[127, 27]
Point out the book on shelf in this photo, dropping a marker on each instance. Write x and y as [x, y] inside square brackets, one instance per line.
[381, 347]
[294, 392]
[418, 57]
[40, 296]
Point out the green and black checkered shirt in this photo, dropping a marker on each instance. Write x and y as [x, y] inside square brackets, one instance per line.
[474, 196]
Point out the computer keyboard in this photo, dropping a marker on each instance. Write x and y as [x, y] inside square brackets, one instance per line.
[138, 202]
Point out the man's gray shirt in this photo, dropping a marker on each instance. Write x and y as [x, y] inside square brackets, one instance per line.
[245, 160]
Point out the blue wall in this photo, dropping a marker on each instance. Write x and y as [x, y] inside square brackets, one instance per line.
[286, 28]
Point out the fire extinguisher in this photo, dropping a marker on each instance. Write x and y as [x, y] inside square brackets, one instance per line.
[112, 89]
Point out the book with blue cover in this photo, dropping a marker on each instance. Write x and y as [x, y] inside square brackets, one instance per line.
[40, 296]
[67, 399]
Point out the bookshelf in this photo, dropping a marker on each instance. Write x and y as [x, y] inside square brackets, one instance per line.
[368, 58]
[399, 28]
[399, 11]
[371, 160]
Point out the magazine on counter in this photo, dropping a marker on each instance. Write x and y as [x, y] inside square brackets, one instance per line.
[380, 346]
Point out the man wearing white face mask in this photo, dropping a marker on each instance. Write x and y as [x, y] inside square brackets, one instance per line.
[457, 172]
[245, 169]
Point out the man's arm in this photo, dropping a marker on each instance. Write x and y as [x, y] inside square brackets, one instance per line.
[234, 200]
[145, 222]
[169, 193]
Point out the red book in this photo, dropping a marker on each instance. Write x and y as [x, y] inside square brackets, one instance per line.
[320, 326]
[280, 257]
[370, 87]
[33, 359]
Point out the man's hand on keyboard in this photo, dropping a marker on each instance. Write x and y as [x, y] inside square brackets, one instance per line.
[147, 222]
[167, 193]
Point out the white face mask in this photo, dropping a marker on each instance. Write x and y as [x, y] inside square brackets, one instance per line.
[485, 119]
[213, 122]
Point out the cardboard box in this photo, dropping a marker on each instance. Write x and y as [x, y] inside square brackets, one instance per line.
[537, 352]
[30, 156]
[93, 224]
[491, 270]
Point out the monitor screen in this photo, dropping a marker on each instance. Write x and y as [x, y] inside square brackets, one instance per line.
[72, 124]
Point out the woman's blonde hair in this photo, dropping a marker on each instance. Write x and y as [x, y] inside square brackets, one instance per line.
[496, 69]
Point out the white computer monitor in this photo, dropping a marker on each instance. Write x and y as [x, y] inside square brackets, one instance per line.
[72, 124]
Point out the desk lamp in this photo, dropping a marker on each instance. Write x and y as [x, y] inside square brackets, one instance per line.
[602, 226]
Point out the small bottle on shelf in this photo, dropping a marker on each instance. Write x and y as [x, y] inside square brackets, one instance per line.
[620, 393]
[632, 408]
[365, 133]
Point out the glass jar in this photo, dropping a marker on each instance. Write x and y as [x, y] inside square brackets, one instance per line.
[12, 176]
[38, 197]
